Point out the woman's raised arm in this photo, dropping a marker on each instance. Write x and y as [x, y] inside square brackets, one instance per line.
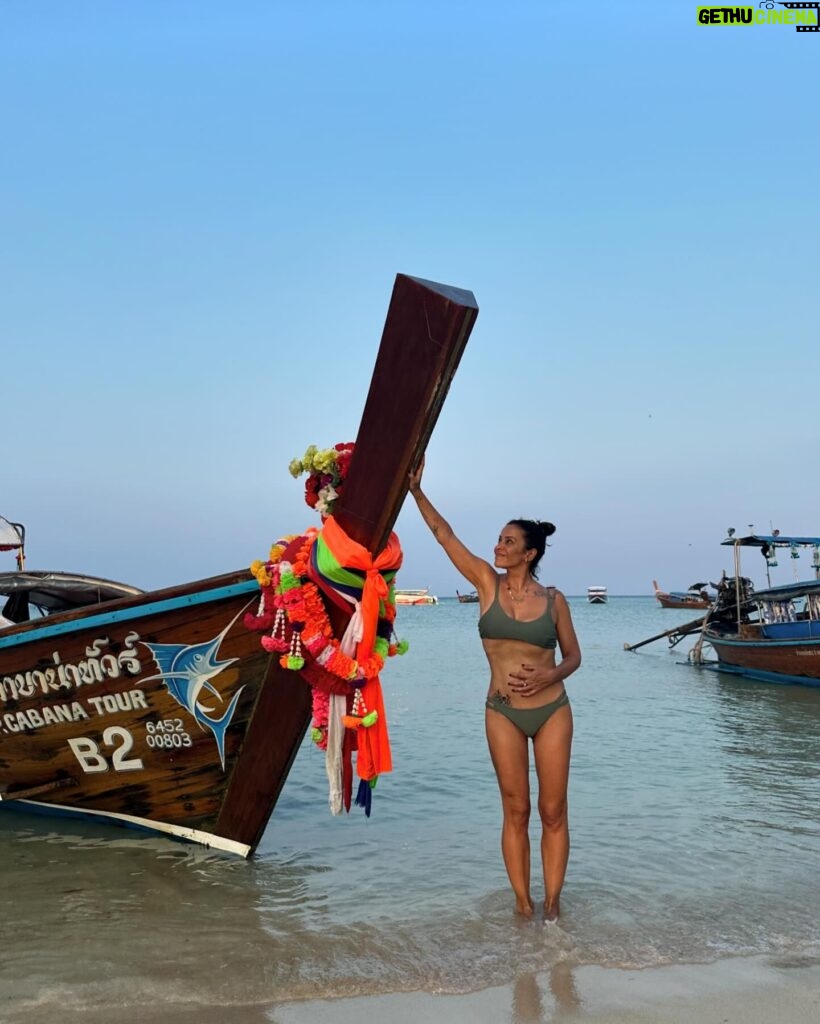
[474, 569]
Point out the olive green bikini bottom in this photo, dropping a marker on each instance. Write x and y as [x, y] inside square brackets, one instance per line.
[528, 720]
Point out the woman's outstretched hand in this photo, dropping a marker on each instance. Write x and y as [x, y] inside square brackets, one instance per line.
[414, 477]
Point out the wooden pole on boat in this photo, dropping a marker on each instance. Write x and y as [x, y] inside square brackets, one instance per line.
[424, 336]
[684, 630]
[696, 654]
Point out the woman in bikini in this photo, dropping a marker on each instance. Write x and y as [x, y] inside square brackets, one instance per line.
[520, 626]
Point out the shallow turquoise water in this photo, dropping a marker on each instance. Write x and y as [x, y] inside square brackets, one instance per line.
[694, 804]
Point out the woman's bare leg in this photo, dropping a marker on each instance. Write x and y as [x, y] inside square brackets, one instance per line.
[552, 745]
[509, 751]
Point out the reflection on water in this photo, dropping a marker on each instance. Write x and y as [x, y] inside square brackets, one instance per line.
[100, 914]
[770, 738]
[529, 1005]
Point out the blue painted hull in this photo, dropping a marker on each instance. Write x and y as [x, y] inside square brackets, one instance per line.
[784, 661]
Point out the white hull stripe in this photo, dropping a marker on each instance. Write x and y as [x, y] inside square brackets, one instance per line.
[193, 835]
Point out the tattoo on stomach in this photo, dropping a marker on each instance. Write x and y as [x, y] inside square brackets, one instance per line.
[502, 698]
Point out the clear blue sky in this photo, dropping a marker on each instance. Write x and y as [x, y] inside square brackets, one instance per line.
[203, 207]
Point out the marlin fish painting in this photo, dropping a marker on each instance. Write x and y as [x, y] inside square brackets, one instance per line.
[187, 670]
[112, 697]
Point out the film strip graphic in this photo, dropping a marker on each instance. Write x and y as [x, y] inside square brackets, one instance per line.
[802, 7]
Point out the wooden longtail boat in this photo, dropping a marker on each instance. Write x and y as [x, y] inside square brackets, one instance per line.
[695, 597]
[770, 635]
[161, 709]
[471, 598]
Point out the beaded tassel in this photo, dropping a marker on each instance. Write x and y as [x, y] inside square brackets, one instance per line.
[359, 715]
[278, 631]
[294, 659]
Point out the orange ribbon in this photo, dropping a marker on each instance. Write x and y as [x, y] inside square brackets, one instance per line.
[351, 555]
[373, 743]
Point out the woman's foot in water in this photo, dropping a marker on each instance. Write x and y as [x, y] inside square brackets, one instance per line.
[552, 910]
[524, 909]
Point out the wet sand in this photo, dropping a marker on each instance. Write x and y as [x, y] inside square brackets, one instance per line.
[757, 990]
[753, 990]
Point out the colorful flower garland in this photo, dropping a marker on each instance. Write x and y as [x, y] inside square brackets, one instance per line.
[293, 615]
[293, 609]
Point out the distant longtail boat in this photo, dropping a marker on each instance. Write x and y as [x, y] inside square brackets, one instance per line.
[695, 597]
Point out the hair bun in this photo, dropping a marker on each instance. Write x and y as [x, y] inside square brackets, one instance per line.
[548, 528]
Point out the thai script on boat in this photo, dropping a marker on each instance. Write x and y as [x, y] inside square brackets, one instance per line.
[100, 663]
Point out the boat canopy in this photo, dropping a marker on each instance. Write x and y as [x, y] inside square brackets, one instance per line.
[51, 592]
[11, 535]
[787, 592]
[774, 540]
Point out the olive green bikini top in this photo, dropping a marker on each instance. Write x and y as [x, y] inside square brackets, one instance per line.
[496, 624]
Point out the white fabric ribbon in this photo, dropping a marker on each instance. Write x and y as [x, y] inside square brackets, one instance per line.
[333, 754]
[338, 708]
[353, 633]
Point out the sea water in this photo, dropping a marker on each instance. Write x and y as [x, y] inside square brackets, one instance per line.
[694, 802]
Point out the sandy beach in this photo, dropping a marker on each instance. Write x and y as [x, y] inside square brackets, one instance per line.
[743, 990]
[754, 990]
